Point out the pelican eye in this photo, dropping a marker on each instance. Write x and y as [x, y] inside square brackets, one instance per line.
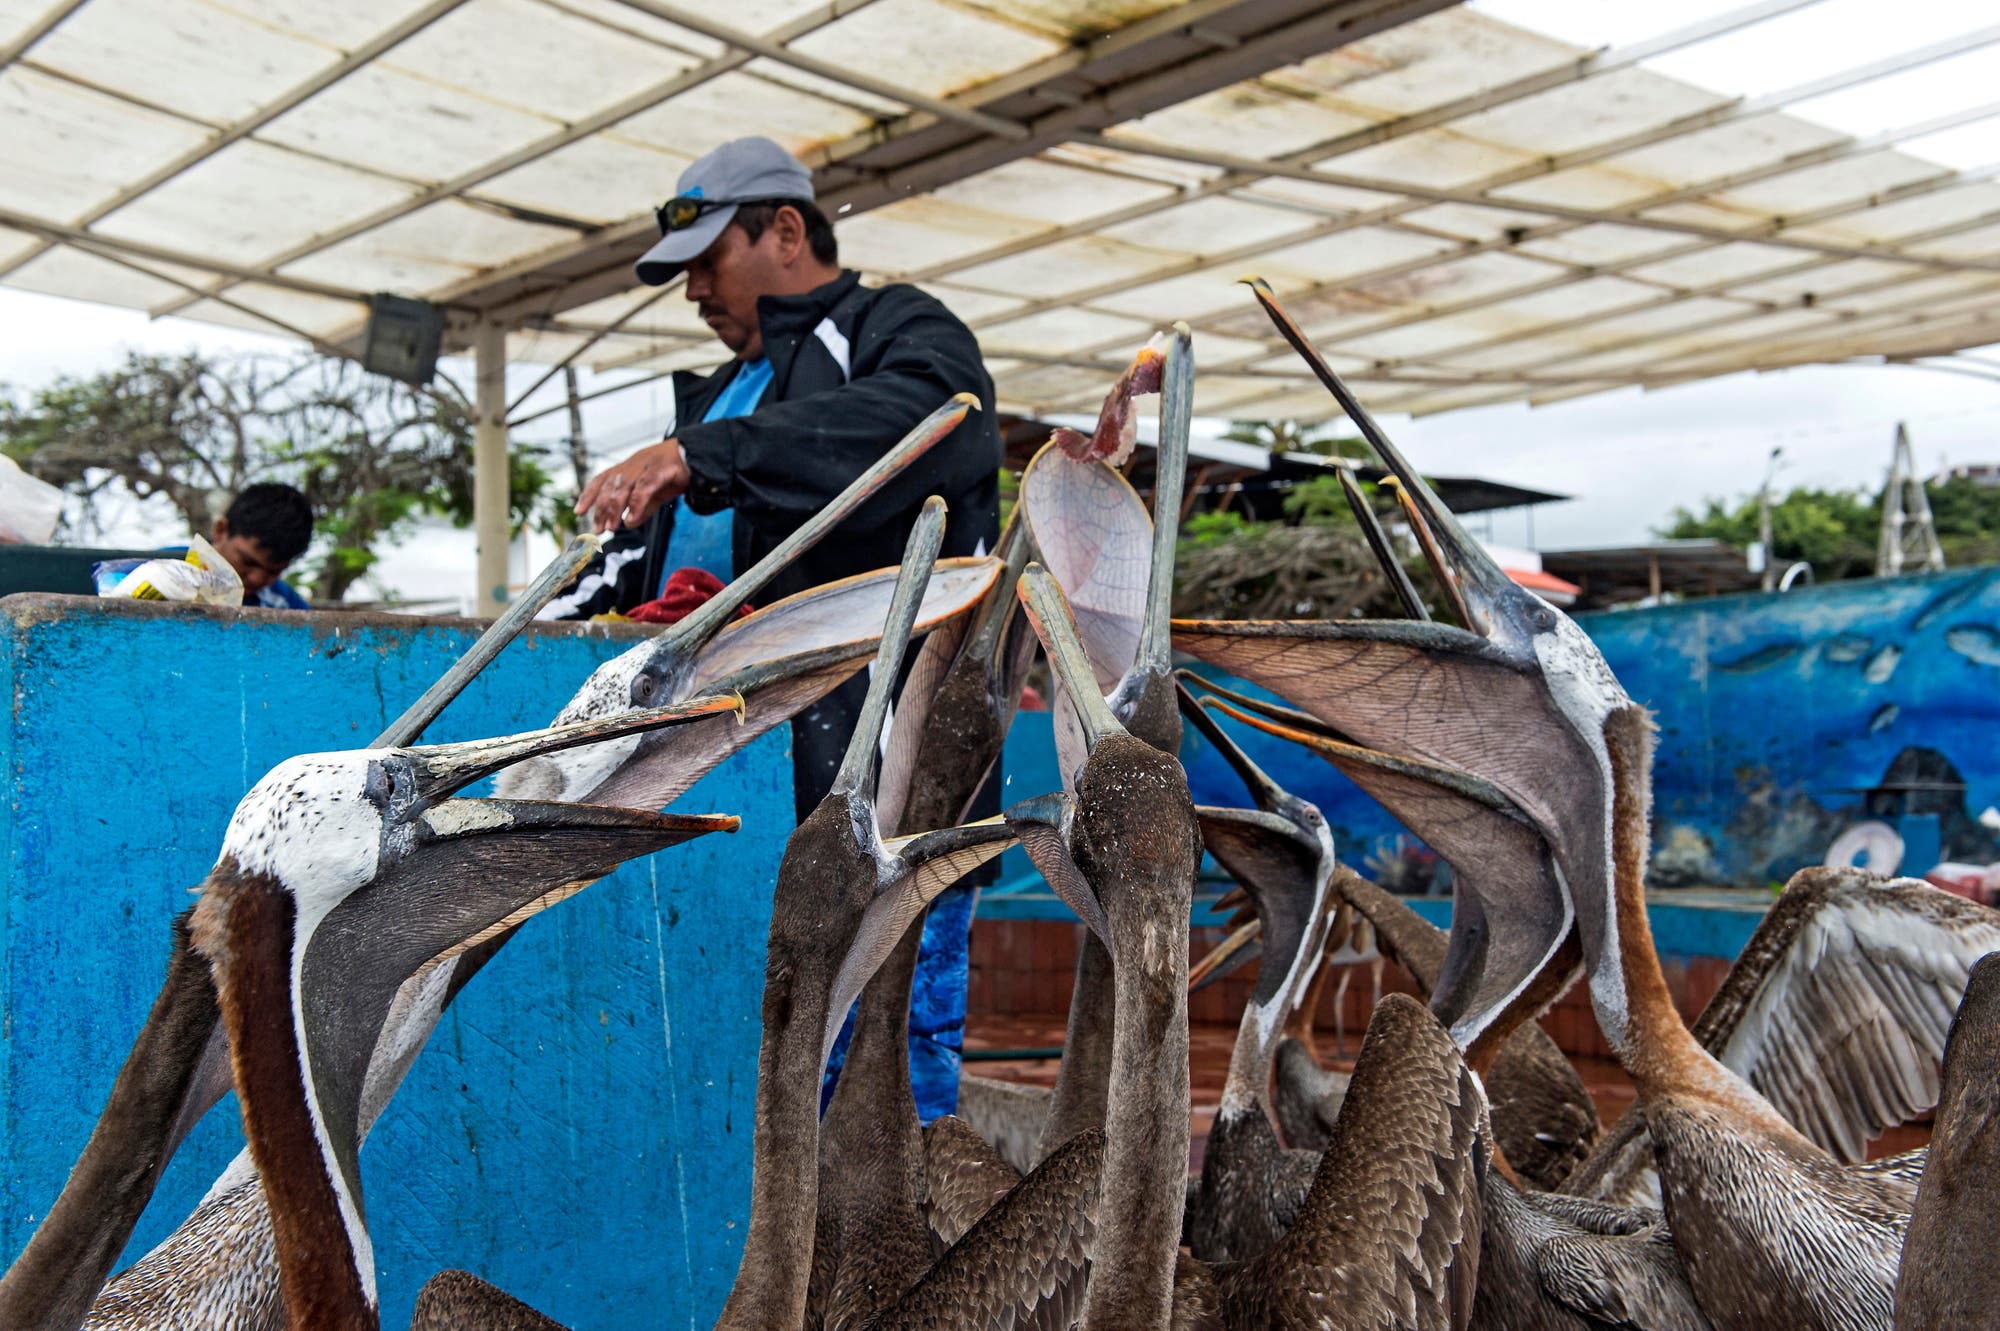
[645, 687]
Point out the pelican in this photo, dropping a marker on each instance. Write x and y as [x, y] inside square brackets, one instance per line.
[342, 876]
[844, 900]
[1773, 1231]
[1837, 1012]
[880, 1170]
[1092, 534]
[1389, 1226]
[1547, 1263]
[1947, 1278]
[1122, 851]
[178, 1066]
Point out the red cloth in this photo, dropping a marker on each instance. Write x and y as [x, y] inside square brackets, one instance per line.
[686, 589]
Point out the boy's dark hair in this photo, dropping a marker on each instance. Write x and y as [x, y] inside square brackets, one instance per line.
[755, 218]
[275, 514]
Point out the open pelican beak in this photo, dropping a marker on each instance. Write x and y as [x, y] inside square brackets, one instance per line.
[902, 890]
[1281, 854]
[782, 659]
[1520, 698]
[439, 770]
[911, 871]
[450, 874]
[1466, 570]
[1510, 911]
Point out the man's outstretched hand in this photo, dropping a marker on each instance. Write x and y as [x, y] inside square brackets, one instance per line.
[629, 493]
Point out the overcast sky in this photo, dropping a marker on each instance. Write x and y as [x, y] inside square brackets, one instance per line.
[1628, 457]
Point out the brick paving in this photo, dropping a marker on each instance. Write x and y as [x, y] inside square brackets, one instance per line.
[1018, 998]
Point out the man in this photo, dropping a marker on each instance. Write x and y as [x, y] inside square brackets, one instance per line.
[826, 376]
[267, 527]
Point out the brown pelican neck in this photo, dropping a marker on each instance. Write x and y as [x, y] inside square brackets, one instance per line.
[159, 1094]
[1945, 1278]
[871, 1145]
[1137, 841]
[823, 888]
[1637, 1014]
[244, 925]
[772, 1283]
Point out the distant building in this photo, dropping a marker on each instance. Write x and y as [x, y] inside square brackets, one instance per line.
[1647, 574]
[1525, 568]
[1985, 475]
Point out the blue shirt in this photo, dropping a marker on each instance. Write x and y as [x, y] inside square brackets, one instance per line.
[706, 540]
[742, 394]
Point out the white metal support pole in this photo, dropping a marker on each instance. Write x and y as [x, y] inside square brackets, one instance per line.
[489, 469]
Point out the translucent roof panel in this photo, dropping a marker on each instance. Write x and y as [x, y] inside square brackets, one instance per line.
[1525, 199]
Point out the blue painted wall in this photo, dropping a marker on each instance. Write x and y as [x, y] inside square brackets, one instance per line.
[579, 1129]
[1777, 714]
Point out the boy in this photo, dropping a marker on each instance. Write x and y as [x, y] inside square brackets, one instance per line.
[266, 528]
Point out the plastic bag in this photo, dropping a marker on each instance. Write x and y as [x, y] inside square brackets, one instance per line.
[29, 506]
[202, 576]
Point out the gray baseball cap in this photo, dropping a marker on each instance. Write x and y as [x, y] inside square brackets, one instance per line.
[738, 172]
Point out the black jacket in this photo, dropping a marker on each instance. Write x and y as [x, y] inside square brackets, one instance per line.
[852, 369]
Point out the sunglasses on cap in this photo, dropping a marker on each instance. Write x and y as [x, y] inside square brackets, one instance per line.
[684, 210]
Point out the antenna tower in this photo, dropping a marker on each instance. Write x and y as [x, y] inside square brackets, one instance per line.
[1909, 537]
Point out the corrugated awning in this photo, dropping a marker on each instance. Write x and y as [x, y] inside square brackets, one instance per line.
[1460, 210]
